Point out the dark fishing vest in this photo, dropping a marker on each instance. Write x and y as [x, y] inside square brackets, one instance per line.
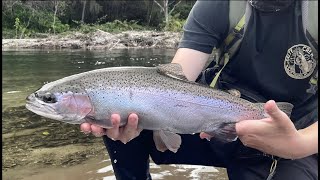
[275, 61]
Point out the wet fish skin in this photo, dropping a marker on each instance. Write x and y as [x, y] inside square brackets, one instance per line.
[161, 97]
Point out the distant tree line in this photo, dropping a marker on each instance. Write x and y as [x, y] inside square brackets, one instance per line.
[25, 17]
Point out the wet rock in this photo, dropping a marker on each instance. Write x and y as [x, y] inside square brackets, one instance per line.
[101, 38]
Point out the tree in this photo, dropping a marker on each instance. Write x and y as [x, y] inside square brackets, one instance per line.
[83, 10]
[56, 4]
[164, 7]
[90, 11]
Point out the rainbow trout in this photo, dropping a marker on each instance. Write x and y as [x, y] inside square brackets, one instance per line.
[164, 100]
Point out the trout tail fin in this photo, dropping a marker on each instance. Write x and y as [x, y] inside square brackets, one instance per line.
[285, 107]
[225, 133]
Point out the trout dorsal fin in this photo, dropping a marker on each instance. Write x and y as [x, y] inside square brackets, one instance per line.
[173, 70]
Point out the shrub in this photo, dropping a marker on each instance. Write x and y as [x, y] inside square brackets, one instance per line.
[175, 24]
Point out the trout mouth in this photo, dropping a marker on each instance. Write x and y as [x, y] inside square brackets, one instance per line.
[36, 106]
[42, 111]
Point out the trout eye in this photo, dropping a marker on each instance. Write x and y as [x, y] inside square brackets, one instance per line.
[49, 98]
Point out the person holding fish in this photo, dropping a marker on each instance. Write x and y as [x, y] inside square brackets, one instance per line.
[263, 69]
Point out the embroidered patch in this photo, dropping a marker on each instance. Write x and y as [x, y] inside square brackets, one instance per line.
[299, 62]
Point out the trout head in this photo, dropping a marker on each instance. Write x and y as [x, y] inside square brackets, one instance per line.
[57, 101]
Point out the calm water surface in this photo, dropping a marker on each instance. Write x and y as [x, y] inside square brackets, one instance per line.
[26, 71]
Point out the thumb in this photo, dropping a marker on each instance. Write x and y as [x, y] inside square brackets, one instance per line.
[273, 111]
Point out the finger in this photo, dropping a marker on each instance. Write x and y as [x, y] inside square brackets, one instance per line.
[113, 133]
[97, 131]
[205, 136]
[274, 112]
[85, 128]
[130, 131]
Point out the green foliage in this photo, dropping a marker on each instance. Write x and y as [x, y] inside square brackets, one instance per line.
[8, 33]
[21, 29]
[43, 22]
[26, 18]
[86, 28]
[59, 27]
[183, 11]
[17, 26]
[115, 26]
[175, 24]
[28, 21]
[118, 26]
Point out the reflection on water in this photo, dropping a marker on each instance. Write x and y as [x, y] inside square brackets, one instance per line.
[30, 140]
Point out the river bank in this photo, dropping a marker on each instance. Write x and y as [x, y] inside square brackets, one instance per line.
[98, 40]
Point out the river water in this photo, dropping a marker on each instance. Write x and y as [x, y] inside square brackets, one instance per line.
[38, 148]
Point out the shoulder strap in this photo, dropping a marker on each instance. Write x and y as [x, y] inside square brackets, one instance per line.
[310, 18]
[239, 12]
[236, 11]
[310, 25]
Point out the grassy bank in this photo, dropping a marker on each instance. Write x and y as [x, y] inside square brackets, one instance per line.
[116, 26]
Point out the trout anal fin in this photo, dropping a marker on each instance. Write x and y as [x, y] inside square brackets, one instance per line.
[166, 140]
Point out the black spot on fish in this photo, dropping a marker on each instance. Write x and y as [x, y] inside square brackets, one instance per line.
[130, 94]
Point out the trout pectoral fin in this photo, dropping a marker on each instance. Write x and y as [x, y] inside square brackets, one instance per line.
[225, 133]
[165, 140]
[104, 123]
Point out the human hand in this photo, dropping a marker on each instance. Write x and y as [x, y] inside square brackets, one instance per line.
[124, 134]
[274, 135]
